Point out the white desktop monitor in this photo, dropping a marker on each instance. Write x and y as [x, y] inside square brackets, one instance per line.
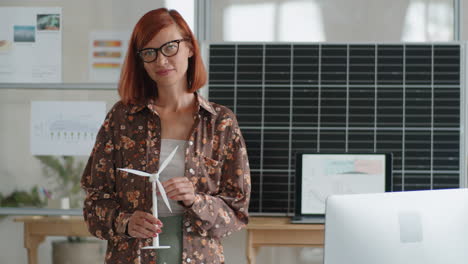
[417, 227]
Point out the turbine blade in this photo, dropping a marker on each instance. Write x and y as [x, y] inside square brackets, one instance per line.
[166, 161]
[137, 172]
[163, 194]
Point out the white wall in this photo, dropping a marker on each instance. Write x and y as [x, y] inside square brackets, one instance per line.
[79, 18]
[18, 168]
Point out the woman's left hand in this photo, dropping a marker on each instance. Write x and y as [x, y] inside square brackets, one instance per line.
[180, 189]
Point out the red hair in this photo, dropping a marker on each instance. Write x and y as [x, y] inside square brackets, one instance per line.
[135, 85]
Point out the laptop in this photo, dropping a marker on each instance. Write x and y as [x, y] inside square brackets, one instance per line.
[417, 227]
[319, 175]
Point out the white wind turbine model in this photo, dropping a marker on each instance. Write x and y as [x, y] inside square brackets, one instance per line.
[154, 179]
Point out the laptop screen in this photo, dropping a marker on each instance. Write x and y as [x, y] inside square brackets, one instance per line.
[319, 175]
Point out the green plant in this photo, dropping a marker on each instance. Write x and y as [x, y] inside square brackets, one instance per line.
[22, 199]
[66, 173]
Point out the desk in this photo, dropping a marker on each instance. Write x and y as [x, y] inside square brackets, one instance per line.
[36, 228]
[278, 232]
[261, 231]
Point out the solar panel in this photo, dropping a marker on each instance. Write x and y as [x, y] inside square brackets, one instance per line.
[399, 98]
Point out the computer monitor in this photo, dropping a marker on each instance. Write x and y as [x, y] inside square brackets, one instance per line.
[319, 175]
[417, 227]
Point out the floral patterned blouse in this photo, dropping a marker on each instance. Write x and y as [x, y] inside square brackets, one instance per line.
[215, 161]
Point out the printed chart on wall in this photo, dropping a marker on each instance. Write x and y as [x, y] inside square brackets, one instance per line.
[65, 127]
[107, 53]
[339, 174]
[30, 45]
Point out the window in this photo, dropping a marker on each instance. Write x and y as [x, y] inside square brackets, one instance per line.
[331, 20]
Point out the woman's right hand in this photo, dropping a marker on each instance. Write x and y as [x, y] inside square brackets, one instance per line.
[143, 225]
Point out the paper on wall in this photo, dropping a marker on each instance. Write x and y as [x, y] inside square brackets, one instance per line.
[65, 127]
[107, 50]
[31, 44]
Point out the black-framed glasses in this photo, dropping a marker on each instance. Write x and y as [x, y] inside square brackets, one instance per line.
[167, 49]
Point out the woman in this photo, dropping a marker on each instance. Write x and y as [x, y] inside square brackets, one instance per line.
[208, 181]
